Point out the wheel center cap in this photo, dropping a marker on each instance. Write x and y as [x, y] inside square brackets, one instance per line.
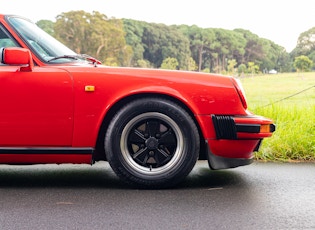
[152, 143]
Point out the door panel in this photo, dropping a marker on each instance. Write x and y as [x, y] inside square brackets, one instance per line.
[36, 108]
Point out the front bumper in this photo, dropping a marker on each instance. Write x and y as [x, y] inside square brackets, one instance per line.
[237, 137]
[219, 162]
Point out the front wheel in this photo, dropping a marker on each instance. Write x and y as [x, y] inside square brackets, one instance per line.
[152, 142]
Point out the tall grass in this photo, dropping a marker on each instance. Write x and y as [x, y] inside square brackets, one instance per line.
[288, 99]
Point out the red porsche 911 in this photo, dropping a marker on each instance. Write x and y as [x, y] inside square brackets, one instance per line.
[151, 125]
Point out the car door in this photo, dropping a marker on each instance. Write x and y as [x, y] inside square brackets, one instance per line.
[36, 107]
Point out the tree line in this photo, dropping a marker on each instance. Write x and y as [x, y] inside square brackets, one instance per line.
[127, 42]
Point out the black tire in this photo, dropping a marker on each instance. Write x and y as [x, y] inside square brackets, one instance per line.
[152, 143]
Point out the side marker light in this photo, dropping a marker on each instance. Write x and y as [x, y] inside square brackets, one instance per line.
[89, 88]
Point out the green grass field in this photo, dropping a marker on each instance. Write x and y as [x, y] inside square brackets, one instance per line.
[288, 99]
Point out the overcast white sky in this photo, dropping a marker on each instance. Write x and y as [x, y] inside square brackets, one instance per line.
[279, 21]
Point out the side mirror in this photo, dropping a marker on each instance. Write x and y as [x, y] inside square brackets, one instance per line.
[17, 56]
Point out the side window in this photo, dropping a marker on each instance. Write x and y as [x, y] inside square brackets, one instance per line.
[6, 40]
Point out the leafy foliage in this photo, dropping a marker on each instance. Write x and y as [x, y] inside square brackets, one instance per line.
[46, 25]
[161, 41]
[302, 63]
[305, 45]
[126, 42]
[93, 34]
[170, 63]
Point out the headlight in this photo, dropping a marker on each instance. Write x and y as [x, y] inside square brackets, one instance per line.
[240, 90]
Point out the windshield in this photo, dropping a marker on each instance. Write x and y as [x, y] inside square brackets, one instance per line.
[45, 46]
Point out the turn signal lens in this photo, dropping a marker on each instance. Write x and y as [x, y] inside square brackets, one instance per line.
[265, 128]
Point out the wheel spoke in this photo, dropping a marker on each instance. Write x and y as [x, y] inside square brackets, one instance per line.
[136, 137]
[168, 138]
[139, 152]
[161, 157]
[152, 128]
[141, 156]
[163, 153]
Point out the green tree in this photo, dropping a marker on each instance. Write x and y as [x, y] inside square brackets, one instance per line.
[221, 49]
[47, 26]
[143, 63]
[93, 34]
[311, 56]
[241, 69]
[169, 63]
[231, 66]
[161, 41]
[306, 42]
[252, 68]
[254, 51]
[305, 45]
[192, 66]
[72, 28]
[133, 35]
[227, 45]
[200, 41]
[273, 57]
[302, 63]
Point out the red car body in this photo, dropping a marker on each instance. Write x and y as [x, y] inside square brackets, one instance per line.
[59, 110]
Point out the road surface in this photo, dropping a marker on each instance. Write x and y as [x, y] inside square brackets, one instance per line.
[258, 196]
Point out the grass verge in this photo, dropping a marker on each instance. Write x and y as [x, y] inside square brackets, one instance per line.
[288, 99]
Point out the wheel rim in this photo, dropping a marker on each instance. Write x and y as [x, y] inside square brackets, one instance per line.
[152, 143]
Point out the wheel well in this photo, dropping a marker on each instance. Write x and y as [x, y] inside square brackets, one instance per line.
[99, 150]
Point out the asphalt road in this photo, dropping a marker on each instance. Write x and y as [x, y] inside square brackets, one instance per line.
[259, 196]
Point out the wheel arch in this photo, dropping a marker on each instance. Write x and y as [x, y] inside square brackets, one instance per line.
[99, 153]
